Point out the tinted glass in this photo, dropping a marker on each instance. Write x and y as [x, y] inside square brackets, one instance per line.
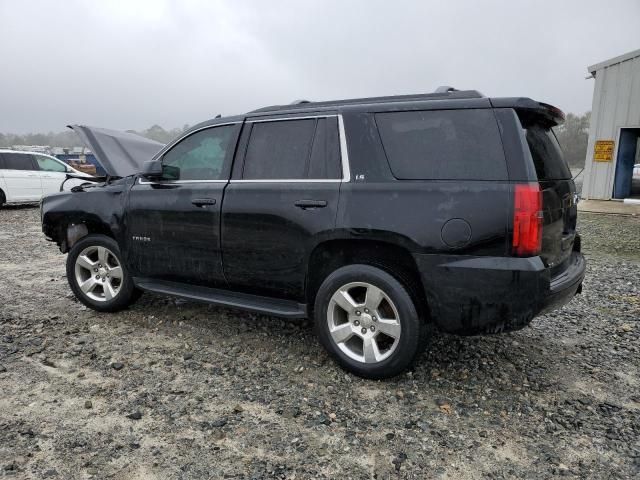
[18, 161]
[546, 153]
[325, 155]
[200, 156]
[443, 145]
[49, 164]
[279, 150]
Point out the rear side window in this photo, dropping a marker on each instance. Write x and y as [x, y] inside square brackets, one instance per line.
[325, 154]
[18, 161]
[279, 150]
[443, 145]
[546, 153]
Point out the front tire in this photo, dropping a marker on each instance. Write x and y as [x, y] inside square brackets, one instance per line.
[97, 275]
[367, 321]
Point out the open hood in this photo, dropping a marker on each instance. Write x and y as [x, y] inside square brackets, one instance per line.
[120, 153]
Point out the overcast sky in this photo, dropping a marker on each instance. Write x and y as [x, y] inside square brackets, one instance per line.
[130, 64]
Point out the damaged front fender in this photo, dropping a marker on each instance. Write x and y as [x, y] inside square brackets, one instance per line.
[69, 216]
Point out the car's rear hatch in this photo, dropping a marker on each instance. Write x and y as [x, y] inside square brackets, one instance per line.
[559, 200]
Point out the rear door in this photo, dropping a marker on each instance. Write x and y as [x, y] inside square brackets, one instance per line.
[21, 177]
[282, 197]
[52, 173]
[559, 200]
[173, 224]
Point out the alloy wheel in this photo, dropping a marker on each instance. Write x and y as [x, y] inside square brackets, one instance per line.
[98, 273]
[364, 322]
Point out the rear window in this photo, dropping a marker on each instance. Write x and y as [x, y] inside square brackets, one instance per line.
[546, 153]
[443, 144]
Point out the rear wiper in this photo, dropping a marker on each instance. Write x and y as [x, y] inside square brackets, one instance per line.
[577, 174]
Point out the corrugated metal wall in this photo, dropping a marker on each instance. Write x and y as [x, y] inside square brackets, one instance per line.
[616, 105]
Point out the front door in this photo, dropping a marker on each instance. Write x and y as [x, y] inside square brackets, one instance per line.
[173, 225]
[281, 201]
[52, 174]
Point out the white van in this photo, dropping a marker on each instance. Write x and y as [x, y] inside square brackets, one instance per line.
[28, 176]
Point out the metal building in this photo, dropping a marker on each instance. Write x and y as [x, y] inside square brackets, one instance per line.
[614, 134]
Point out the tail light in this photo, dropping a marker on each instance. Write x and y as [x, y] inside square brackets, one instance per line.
[527, 220]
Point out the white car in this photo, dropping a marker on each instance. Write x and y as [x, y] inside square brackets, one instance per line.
[28, 176]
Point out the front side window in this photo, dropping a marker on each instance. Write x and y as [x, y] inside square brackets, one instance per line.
[279, 150]
[18, 161]
[49, 164]
[200, 156]
[443, 144]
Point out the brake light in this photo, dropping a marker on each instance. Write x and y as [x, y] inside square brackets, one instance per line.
[527, 220]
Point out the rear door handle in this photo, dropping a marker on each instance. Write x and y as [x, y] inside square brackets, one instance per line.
[201, 202]
[304, 204]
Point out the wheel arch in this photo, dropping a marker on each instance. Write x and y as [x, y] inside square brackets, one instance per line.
[71, 228]
[391, 254]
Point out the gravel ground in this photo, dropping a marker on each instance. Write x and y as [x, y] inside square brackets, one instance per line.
[172, 389]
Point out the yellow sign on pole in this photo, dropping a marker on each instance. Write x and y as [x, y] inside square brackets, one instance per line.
[603, 151]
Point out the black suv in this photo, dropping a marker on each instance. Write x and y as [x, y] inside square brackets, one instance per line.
[373, 216]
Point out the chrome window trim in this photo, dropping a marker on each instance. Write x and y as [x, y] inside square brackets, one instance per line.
[307, 117]
[344, 155]
[344, 151]
[289, 180]
[141, 181]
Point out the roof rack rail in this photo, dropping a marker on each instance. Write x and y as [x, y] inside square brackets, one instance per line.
[440, 94]
[445, 89]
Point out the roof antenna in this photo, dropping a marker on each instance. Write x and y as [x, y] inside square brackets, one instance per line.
[445, 89]
[299, 102]
[219, 115]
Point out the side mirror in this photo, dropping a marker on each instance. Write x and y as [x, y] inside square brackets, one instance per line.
[152, 169]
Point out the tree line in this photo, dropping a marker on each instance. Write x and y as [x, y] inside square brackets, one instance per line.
[572, 135]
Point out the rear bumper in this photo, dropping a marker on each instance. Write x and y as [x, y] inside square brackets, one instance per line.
[474, 295]
[563, 287]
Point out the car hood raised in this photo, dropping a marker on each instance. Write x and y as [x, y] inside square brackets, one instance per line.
[120, 153]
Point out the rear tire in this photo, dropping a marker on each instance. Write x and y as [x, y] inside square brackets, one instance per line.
[97, 275]
[3, 199]
[366, 319]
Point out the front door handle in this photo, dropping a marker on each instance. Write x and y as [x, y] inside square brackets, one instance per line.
[305, 204]
[201, 202]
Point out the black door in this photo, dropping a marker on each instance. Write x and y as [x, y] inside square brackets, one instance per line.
[173, 225]
[281, 202]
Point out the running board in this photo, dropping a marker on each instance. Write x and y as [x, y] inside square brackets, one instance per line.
[244, 301]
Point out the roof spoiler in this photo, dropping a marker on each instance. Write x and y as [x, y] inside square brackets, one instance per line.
[549, 115]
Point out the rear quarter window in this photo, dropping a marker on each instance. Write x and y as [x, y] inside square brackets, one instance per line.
[18, 161]
[546, 153]
[443, 144]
